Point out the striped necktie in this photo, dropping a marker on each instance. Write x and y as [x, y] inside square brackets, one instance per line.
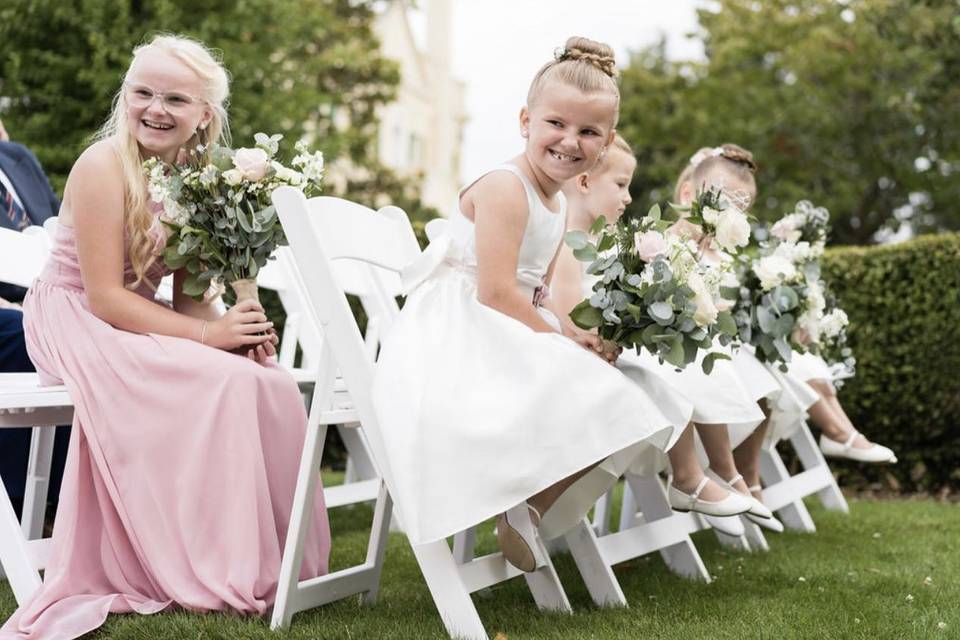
[12, 210]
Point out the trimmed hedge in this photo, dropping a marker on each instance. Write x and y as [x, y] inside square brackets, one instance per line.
[904, 306]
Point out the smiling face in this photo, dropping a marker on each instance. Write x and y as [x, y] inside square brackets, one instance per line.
[566, 129]
[158, 132]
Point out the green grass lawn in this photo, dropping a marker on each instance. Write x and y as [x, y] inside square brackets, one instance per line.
[889, 569]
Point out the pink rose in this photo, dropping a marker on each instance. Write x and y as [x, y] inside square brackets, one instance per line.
[252, 163]
[650, 245]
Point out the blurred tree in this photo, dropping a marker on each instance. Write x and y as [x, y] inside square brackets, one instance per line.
[308, 68]
[851, 103]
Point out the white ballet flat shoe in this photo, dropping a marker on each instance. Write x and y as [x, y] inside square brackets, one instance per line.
[757, 508]
[732, 505]
[517, 537]
[874, 453]
[771, 523]
[730, 525]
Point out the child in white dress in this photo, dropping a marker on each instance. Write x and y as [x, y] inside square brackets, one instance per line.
[488, 406]
[718, 399]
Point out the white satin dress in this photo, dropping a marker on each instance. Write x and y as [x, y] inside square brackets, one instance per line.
[478, 411]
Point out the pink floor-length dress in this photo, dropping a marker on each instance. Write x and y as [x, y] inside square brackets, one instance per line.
[182, 467]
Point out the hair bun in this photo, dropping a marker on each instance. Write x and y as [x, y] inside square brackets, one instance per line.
[596, 53]
[736, 153]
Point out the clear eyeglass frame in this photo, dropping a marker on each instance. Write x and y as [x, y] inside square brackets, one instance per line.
[141, 96]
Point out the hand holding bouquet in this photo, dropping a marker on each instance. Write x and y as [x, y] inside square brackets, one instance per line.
[223, 227]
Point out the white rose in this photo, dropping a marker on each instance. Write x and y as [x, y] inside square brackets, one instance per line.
[288, 175]
[787, 228]
[252, 163]
[707, 311]
[733, 230]
[815, 300]
[232, 177]
[710, 215]
[773, 271]
[833, 323]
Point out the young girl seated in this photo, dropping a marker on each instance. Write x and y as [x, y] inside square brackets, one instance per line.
[717, 399]
[186, 436]
[488, 404]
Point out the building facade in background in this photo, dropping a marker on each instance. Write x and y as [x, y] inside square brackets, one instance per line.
[421, 133]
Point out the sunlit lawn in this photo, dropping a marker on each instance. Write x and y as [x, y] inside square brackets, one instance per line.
[889, 569]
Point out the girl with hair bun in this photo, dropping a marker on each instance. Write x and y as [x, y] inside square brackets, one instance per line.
[183, 457]
[489, 404]
[714, 400]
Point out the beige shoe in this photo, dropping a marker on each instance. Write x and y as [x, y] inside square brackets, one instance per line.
[517, 537]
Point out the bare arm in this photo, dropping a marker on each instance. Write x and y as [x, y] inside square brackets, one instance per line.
[566, 286]
[94, 193]
[499, 206]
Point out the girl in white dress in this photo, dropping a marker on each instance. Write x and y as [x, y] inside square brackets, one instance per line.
[718, 399]
[788, 398]
[487, 406]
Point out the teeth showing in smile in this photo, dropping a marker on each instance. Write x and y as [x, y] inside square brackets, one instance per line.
[562, 157]
[156, 125]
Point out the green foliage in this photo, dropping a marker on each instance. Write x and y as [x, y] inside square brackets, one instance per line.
[904, 307]
[838, 100]
[302, 68]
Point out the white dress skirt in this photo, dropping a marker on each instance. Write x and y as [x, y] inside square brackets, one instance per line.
[478, 411]
[807, 367]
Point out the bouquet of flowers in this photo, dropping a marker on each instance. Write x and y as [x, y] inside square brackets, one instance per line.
[222, 225]
[783, 303]
[719, 218]
[651, 293]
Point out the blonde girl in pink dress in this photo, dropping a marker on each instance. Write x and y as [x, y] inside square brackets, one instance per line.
[182, 464]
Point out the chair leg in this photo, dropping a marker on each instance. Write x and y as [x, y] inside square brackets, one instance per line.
[377, 546]
[14, 558]
[450, 596]
[682, 557]
[464, 544]
[628, 508]
[597, 573]
[601, 513]
[545, 585]
[810, 457]
[754, 535]
[303, 497]
[794, 514]
[38, 481]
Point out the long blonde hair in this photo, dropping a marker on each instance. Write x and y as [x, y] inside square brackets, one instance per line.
[583, 63]
[137, 215]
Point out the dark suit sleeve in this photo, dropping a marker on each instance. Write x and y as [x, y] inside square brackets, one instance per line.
[42, 177]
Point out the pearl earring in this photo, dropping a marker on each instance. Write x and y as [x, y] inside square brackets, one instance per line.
[524, 133]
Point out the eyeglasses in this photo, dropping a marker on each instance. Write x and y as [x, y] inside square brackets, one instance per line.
[175, 103]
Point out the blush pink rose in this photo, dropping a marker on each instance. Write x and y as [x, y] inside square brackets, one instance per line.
[650, 245]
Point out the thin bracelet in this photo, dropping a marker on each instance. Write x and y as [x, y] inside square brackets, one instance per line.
[203, 332]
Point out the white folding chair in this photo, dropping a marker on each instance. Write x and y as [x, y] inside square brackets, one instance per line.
[24, 403]
[362, 480]
[322, 232]
[784, 493]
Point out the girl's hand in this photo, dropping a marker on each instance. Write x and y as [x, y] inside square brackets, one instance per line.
[601, 348]
[244, 325]
[683, 228]
[261, 352]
